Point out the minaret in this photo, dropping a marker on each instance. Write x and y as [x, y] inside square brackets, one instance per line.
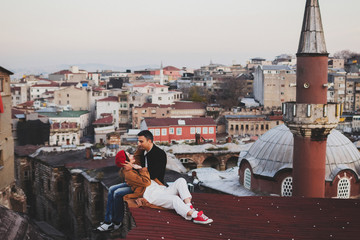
[161, 74]
[311, 118]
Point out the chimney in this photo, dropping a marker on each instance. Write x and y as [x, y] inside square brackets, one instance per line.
[310, 118]
[88, 153]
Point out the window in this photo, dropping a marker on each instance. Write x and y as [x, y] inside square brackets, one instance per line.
[198, 130]
[152, 131]
[26, 175]
[1, 159]
[247, 178]
[192, 130]
[171, 130]
[164, 132]
[205, 129]
[178, 131]
[2, 84]
[211, 130]
[343, 190]
[286, 187]
[157, 132]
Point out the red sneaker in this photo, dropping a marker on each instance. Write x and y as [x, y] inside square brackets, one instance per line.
[202, 218]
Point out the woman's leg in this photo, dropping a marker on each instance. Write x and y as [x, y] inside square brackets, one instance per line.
[179, 187]
[110, 202]
[172, 202]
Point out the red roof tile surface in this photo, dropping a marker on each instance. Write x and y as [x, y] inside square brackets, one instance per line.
[147, 105]
[149, 85]
[155, 122]
[171, 68]
[15, 111]
[109, 99]
[27, 104]
[254, 218]
[189, 105]
[62, 72]
[104, 120]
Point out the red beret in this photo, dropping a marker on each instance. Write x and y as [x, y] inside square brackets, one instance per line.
[120, 158]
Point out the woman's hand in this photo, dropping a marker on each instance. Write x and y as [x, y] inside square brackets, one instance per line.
[128, 166]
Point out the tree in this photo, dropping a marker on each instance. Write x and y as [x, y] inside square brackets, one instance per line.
[345, 54]
[196, 94]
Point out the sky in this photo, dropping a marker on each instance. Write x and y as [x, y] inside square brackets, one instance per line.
[191, 33]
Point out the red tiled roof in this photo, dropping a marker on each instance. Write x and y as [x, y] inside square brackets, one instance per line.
[98, 89]
[53, 84]
[26, 150]
[149, 85]
[148, 105]
[27, 104]
[13, 89]
[156, 122]
[16, 111]
[276, 117]
[91, 164]
[171, 68]
[104, 120]
[66, 84]
[253, 218]
[189, 105]
[109, 99]
[62, 72]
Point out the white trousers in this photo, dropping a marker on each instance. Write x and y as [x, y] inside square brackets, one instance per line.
[170, 197]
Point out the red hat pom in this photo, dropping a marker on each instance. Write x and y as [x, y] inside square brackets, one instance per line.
[120, 158]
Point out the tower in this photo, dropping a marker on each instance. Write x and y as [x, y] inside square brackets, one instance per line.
[311, 118]
[161, 74]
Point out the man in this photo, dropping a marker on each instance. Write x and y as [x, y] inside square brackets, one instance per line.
[151, 156]
[154, 158]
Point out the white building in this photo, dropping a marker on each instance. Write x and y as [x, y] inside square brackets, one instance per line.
[81, 118]
[36, 91]
[108, 105]
[158, 94]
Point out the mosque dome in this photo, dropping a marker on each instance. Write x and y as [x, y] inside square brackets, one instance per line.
[273, 152]
[267, 167]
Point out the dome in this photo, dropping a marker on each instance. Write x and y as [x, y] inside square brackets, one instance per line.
[273, 152]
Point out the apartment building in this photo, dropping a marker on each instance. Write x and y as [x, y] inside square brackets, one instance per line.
[251, 125]
[178, 109]
[274, 85]
[75, 98]
[180, 129]
[10, 196]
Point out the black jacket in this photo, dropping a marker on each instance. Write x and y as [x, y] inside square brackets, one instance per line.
[156, 162]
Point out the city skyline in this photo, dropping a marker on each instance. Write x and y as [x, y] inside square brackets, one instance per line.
[180, 33]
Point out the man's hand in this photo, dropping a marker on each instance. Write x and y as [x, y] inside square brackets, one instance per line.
[141, 201]
[136, 166]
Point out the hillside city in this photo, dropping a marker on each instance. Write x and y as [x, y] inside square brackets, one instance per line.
[68, 125]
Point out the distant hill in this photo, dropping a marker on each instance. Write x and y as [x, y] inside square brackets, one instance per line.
[90, 67]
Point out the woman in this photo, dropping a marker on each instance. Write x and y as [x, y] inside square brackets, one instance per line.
[176, 196]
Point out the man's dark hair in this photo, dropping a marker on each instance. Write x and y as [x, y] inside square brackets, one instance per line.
[147, 134]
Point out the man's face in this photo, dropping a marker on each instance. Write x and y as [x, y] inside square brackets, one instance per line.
[143, 143]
